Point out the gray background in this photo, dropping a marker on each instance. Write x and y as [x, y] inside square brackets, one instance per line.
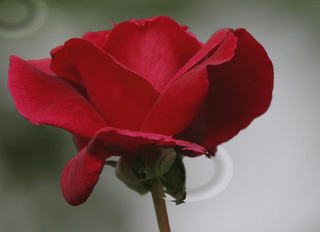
[275, 186]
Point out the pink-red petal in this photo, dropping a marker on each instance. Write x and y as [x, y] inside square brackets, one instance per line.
[43, 65]
[122, 97]
[79, 177]
[62, 63]
[155, 49]
[116, 142]
[97, 38]
[215, 40]
[80, 141]
[62, 66]
[45, 99]
[240, 90]
[81, 173]
[180, 103]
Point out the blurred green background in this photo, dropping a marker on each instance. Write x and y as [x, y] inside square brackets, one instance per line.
[275, 186]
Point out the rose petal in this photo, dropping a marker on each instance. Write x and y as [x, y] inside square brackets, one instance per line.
[79, 177]
[97, 38]
[214, 41]
[122, 97]
[179, 103]
[45, 99]
[62, 66]
[155, 49]
[240, 90]
[80, 141]
[81, 173]
[186, 28]
[43, 65]
[117, 142]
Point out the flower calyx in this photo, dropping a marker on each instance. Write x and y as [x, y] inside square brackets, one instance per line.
[139, 172]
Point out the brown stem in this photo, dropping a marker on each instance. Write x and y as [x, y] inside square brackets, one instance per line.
[160, 206]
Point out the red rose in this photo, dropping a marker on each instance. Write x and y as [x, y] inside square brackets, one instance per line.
[144, 83]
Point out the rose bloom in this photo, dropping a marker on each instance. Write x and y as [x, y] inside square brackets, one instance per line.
[143, 85]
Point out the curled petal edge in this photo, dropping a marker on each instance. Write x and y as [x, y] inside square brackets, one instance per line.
[79, 177]
[115, 142]
[81, 173]
[49, 100]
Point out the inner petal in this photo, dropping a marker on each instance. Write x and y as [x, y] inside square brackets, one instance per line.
[122, 97]
[155, 49]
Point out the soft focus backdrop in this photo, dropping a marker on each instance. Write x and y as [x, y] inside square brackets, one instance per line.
[276, 179]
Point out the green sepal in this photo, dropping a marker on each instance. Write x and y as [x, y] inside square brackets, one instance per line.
[159, 161]
[125, 173]
[138, 171]
[111, 163]
[174, 180]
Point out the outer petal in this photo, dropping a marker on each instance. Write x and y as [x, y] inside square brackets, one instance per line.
[186, 28]
[210, 46]
[81, 141]
[97, 38]
[82, 172]
[122, 97]
[62, 66]
[116, 142]
[45, 99]
[43, 65]
[240, 90]
[79, 177]
[179, 103]
[156, 48]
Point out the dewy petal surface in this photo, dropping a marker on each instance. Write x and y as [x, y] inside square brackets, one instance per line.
[156, 49]
[45, 99]
[180, 103]
[79, 177]
[121, 96]
[240, 90]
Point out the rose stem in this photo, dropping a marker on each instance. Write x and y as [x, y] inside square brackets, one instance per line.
[160, 206]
